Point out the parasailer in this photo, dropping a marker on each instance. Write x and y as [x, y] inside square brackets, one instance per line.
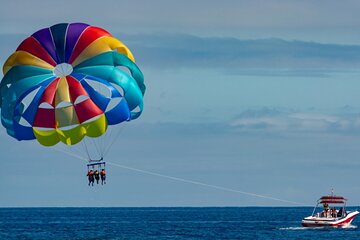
[103, 176]
[97, 176]
[90, 176]
[69, 82]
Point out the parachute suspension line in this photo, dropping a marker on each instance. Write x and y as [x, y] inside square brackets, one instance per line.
[69, 151]
[71, 154]
[206, 185]
[103, 141]
[86, 149]
[96, 146]
[117, 135]
[108, 137]
[77, 148]
[74, 149]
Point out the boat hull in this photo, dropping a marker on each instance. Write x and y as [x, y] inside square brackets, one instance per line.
[312, 221]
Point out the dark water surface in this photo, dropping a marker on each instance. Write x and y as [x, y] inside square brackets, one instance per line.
[164, 223]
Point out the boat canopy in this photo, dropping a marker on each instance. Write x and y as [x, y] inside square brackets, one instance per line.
[332, 200]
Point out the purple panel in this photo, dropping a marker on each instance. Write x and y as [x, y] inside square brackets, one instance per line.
[45, 39]
[73, 34]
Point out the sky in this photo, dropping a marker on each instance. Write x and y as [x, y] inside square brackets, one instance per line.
[255, 96]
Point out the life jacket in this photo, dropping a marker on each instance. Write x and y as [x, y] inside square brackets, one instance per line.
[102, 173]
[90, 174]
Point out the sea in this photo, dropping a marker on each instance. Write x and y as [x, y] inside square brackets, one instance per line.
[165, 223]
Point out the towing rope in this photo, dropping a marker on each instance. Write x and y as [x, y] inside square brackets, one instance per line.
[205, 184]
[192, 181]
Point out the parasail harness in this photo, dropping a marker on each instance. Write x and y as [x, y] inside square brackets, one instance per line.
[96, 164]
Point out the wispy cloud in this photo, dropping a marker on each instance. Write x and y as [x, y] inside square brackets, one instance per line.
[262, 121]
[236, 55]
[285, 120]
[264, 57]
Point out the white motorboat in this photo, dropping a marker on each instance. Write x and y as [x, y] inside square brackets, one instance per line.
[334, 213]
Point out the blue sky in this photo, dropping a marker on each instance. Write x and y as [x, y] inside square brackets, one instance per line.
[256, 96]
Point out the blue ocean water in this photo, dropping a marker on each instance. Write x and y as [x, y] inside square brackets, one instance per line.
[164, 223]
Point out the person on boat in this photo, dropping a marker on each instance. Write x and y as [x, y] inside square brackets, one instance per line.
[341, 212]
[103, 176]
[326, 206]
[333, 212]
[90, 175]
[96, 175]
[326, 210]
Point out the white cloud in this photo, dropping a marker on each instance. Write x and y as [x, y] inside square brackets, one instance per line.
[245, 57]
[291, 121]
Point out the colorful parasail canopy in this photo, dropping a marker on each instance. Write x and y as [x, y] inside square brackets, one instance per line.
[69, 81]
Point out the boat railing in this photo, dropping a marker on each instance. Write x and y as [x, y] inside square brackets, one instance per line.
[331, 212]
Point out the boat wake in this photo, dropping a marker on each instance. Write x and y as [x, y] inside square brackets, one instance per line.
[293, 228]
[316, 228]
[349, 226]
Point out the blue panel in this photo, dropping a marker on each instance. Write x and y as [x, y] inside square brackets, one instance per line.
[119, 113]
[115, 59]
[96, 97]
[114, 92]
[22, 132]
[17, 73]
[58, 32]
[10, 132]
[31, 111]
[7, 110]
[135, 115]
[14, 93]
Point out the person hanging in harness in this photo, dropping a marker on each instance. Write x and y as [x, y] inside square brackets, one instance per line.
[103, 176]
[96, 175]
[90, 175]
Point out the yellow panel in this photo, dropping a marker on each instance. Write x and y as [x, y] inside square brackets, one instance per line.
[92, 129]
[97, 127]
[72, 136]
[66, 116]
[62, 92]
[46, 138]
[24, 58]
[103, 44]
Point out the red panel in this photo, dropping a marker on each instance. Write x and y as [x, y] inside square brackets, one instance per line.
[49, 93]
[87, 37]
[32, 46]
[75, 88]
[45, 118]
[86, 110]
